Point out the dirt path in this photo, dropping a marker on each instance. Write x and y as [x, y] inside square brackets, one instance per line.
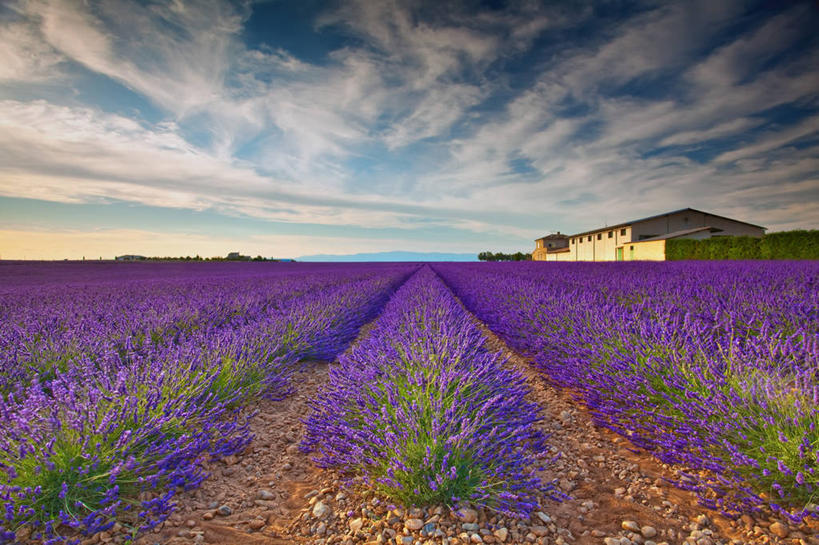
[252, 498]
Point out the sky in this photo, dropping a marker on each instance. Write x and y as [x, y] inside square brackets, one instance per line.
[286, 128]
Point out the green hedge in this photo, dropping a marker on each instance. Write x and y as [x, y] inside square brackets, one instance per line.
[782, 245]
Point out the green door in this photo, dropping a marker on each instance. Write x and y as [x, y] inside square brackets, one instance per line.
[619, 254]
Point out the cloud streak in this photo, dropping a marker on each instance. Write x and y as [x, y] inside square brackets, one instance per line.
[509, 123]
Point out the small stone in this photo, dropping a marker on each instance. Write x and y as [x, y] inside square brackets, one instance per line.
[475, 538]
[209, 515]
[611, 541]
[648, 531]
[544, 518]
[779, 530]
[225, 510]
[539, 531]
[356, 524]
[265, 494]
[702, 520]
[468, 515]
[190, 523]
[321, 529]
[631, 526]
[566, 485]
[230, 460]
[413, 524]
[320, 510]
[470, 526]
[407, 540]
[256, 524]
[501, 534]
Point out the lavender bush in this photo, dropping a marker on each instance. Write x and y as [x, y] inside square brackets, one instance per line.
[426, 413]
[115, 391]
[710, 365]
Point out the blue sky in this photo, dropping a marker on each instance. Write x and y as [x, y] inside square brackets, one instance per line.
[291, 128]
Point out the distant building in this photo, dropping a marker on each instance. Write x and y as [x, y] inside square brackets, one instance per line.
[643, 239]
[236, 256]
[550, 243]
[130, 258]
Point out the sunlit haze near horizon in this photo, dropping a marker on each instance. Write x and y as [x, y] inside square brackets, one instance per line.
[286, 129]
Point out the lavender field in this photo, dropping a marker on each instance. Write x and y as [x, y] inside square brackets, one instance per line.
[714, 366]
[119, 381]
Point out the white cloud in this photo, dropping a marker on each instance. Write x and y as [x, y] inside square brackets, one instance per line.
[275, 133]
[773, 140]
[24, 56]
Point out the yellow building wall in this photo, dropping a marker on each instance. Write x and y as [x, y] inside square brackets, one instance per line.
[539, 254]
[653, 250]
[583, 249]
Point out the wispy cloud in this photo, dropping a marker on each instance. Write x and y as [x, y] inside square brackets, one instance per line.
[505, 122]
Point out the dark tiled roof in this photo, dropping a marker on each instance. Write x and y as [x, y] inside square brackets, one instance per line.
[627, 223]
[676, 234]
[554, 236]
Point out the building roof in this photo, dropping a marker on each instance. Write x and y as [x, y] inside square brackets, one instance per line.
[677, 234]
[632, 222]
[558, 235]
[558, 250]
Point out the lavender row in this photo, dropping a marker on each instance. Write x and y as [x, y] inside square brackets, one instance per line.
[113, 436]
[426, 414]
[709, 365]
[48, 325]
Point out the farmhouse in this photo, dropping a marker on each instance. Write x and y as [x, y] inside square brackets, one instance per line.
[643, 239]
[553, 243]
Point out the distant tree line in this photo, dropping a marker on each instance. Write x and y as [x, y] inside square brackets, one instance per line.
[500, 256]
[200, 258]
[781, 245]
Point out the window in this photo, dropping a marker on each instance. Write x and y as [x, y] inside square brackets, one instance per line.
[572, 241]
[589, 238]
[599, 236]
[611, 234]
[631, 247]
[622, 232]
[580, 240]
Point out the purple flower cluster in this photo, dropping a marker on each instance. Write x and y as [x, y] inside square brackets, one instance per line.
[425, 413]
[118, 381]
[714, 366]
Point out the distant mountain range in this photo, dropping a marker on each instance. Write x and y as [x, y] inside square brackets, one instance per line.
[391, 256]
